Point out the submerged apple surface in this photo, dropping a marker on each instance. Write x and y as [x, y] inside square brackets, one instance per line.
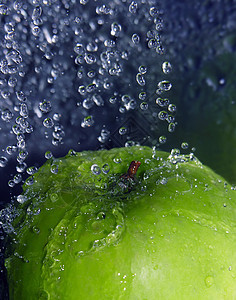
[82, 231]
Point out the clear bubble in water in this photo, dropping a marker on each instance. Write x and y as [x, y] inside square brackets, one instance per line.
[162, 102]
[56, 117]
[17, 178]
[135, 38]
[3, 161]
[162, 139]
[105, 168]
[95, 169]
[115, 29]
[88, 103]
[175, 152]
[90, 58]
[21, 167]
[79, 49]
[12, 81]
[164, 85]
[87, 122]
[45, 106]
[92, 46]
[144, 105]
[133, 7]
[162, 115]
[152, 43]
[29, 181]
[97, 99]
[6, 115]
[171, 127]
[32, 170]
[48, 154]
[48, 122]
[122, 130]
[54, 169]
[113, 99]
[184, 145]
[142, 69]
[142, 96]
[166, 67]
[140, 79]
[11, 150]
[11, 183]
[131, 144]
[153, 11]
[172, 107]
[84, 2]
[24, 110]
[21, 199]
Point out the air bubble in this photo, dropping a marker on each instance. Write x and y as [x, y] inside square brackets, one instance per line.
[144, 105]
[142, 96]
[36, 12]
[87, 122]
[45, 106]
[48, 123]
[11, 149]
[162, 115]
[48, 154]
[122, 130]
[105, 168]
[21, 96]
[95, 169]
[142, 69]
[115, 29]
[54, 169]
[164, 85]
[17, 178]
[21, 167]
[21, 199]
[101, 215]
[162, 102]
[12, 81]
[131, 144]
[24, 110]
[162, 139]
[90, 58]
[153, 11]
[32, 170]
[175, 152]
[92, 47]
[6, 115]
[29, 181]
[166, 67]
[152, 44]
[171, 127]
[135, 38]
[184, 145]
[140, 79]
[11, 183]
[133, 7]
[97, 99]
[113, 99]
[172, 107]
[84, 2]
[3, 161]
[79, 49]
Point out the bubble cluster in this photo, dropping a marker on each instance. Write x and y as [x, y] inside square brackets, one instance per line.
[72, 73]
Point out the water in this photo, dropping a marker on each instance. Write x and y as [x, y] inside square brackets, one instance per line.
[70, 77]
[97, 74]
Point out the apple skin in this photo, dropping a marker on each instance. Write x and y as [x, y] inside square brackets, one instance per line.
[171, 237]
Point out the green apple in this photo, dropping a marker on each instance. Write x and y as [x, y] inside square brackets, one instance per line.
[82, 231]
